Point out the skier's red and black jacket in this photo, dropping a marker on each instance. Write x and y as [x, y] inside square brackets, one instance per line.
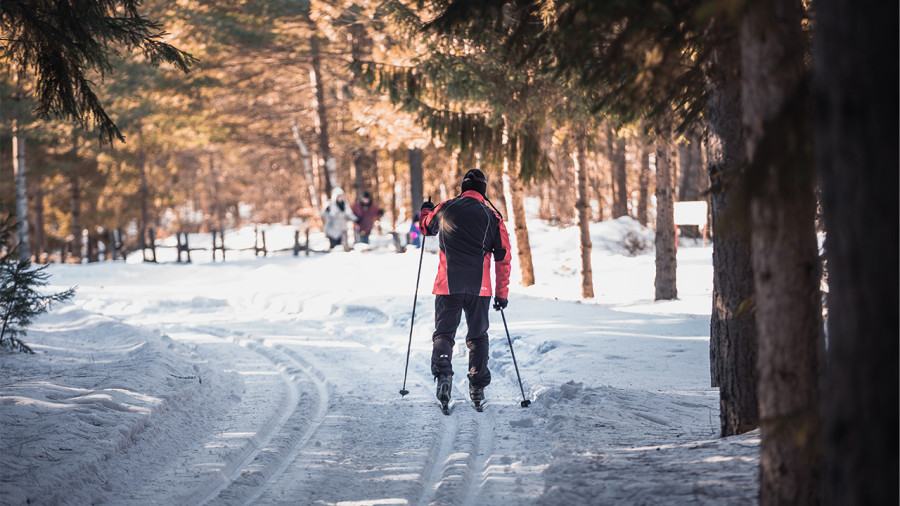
[469, 232]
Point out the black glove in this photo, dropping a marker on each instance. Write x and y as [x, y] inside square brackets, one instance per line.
[427, 205]
[500, 303]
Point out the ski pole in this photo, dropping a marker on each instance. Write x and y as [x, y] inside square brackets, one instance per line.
[404, 391]
[525, 402]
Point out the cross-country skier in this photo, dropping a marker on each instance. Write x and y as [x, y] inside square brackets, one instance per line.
[469, 233]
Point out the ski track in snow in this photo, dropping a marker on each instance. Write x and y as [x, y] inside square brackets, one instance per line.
[299, 404]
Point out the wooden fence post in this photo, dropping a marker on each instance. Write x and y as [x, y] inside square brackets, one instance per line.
[220, 245]
[151, 246]
[183, 246]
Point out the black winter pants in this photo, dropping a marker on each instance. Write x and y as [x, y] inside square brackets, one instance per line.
[447, 312]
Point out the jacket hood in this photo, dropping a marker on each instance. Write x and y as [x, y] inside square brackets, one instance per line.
[337, 191]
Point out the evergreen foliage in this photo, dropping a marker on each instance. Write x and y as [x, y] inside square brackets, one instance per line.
[62, 42]
[20, 300]
[465, 95]
[634, 59]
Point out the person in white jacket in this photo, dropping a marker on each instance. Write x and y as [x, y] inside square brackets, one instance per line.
[335, 216]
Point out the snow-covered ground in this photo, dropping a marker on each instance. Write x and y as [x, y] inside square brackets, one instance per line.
[275, 381]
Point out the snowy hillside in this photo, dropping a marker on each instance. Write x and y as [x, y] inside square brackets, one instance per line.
[275, 381]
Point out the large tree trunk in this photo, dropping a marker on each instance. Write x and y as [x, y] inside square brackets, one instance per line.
[732, 336]
[75, 201]
[644, 186]
[689, 161]
[308, 174]
[416, 182]
[619, 172]
[515, 210]
[856, 89]
[142, 166]
[666, 248]
[584, 215]
[393, 154]
[18, 144]
[784, 251]
[364, 163]
[40, 236]
[326, 159]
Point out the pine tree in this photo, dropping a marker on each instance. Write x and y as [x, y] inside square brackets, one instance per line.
[20, 300]
[60, 43]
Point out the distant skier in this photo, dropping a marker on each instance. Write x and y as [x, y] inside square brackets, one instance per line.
[335, 216]
[469, 232]
[367, 212]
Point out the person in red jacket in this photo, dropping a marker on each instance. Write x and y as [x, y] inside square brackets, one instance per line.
[368, 212]
[469, 233]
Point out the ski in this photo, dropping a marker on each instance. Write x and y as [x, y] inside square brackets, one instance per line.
[445, 408]
[479, 407]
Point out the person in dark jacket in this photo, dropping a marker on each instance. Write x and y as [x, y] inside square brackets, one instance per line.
[367, 212]
[469, 234]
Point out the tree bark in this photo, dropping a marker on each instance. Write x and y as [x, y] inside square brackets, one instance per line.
[644, 183]
[364, 163]
[416, 183]
[142, 166]
[40, 236]
[666, 263]
[855, 85]
[689, 161]
[733, 338]
[515, 210]
[307, 172]
[393, 154]
[620, 179]
[326, 159]
[18, 144]
[75, 201]
[784, 251]
[583, 209]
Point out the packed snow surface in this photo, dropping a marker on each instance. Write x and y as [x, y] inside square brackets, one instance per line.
[275, 380]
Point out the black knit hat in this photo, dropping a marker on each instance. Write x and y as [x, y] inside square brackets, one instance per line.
[475, 180]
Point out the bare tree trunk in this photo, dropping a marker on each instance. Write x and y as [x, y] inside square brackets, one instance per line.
[326, 159]
[394, 190]
[75, 200]
[689, 161]
[40, 236]
[365, 163]
[733, 338]
[416, 182]
[142, 166]
[666, 263]
[217, 212]
[307, 172]
[644, 190]
[784, 251]
[584, 215]
[18, 142]
[515, 210]
[620, 175]
[855, 84]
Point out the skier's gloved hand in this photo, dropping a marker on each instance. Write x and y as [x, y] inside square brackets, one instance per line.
[500, 303]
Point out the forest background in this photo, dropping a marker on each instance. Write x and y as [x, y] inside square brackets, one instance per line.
[773, 112]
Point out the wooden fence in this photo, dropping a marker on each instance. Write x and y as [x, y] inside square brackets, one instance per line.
[183, 248]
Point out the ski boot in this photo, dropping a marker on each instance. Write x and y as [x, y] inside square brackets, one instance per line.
[477, 396]
[443, 393]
